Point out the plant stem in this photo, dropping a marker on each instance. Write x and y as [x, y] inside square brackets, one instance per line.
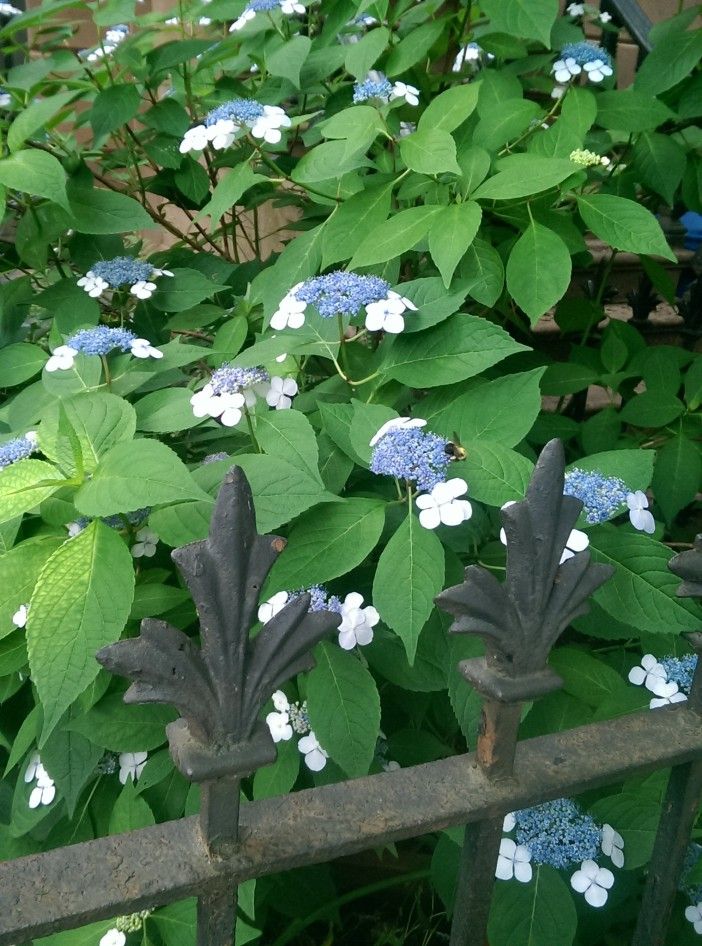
[249, 424]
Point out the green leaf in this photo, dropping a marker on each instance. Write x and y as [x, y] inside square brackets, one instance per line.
[20, 490]
[495, 474]
[413, 47]
[466, 702]
[228, 191]
[37, 115]
[433, 303]
[114, 488]
[130, 811]
[585, 677]
[361, 56]
[660, 161]
[359, 122]
[636, 819]
[452, 232]
[185, 289]
[279, 778]
[102, 212]
[677, 476]
[482, 273]
[80, 603]
[410, 574]
[631, 111]
[635, 467]
[450, 109]
[329, 161]
[533, 914]
[430, 669]
[624, 224]
[579, 109]
[538, 271]
[325, 545]
[71, 759]
[121, 727]
[430, 151]
[400, 233]
[501, 125]
[358, 216]
[669, 62]
[99, 419]
[521, 175]
[456, 349]
[19, 570]
[652, 409]
[37, 173]
[474, 163]
[173, 54]
[281, 490]
[166, 411]
[289, 436]
[525, 19]
[642, 587]
[366, 420]
[154, 598]
[20, 362]
[344, 708]
[288, 59]
[112, 108]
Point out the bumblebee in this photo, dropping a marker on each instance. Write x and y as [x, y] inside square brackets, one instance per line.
[454, 449]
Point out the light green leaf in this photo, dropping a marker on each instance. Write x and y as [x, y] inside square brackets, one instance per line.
[121, 727]
[130, 811]
[358, 216]
[624, 224]
[533, 914]
[360, 56]
[474, 163]
[344, 708]
[366, 421]
[112, 108]
[95, 210]
[456, 349]
[288, 59]
[166, 411]
[433, 303]
[37, 173]
[538, 270]
[630, 110]
[523, 174]
[154, 598]
[80, 603]
[279, 778]
[677, 477]
[430, 151]
[635, 467]
[494, 473]
[19, 570]
[325, 545]
[525, 19]
[661, 162]
[413, 47]
[20, 490]
[452, 232]
[586, 677]
[652, 409]
[642, 587]
[114, 488]
[20, 362]
[359, 122]
[186, 288]
[329, 161]
[37, 115]
[228, 192]
[100, 420]
[636, 819]
[71, 759]
[281, 490]
[289, 436]
[501, 125]
[450, 109]
[482, 273]
[669, 62]
[410, 574]
[397, 235]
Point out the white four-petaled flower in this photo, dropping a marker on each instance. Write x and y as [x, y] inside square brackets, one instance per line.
[227, 407]
[142, 347]
[288, 7]
[19, 618]
[566, 69]
[143, 289]
[693, 914]
[44, 791]
[145, 545]
[357, 622]
[396, 422]
[290, 312]
[387, 314]
[513, 861]
[597, 70]
[93, 285]
[270, 608]
[605, 17]
[650, 673]
[442, 504]
[281, 393]
[61, 358]
[592, 881]
[268, 125]
[401, 90]
[278, 722]
[195, 139]
[315, 756]
[575, 9]
[131, 765]
[613, 845]
[666, 695]
[639, 515]
[113, 937]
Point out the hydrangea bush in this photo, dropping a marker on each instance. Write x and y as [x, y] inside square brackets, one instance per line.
[314, 239]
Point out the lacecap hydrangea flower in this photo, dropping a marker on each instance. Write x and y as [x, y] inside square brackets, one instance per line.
[19, 448]
[320, 600]
[602, 496]
[576, 58]
[407, 452]
[473, 54]
[223, 123]
[286, 7]
[44, 790]
[100, 340]
[231, 390]
[668, 679]
[344, 294]
[120, 273]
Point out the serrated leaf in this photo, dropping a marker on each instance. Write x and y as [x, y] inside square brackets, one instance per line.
[344, 708]
[20, 490]
[37, 173]
[185, 289]
[37, 115]
[521, 175]
[671, 60]
[400, 233]
[95, 210]
[288, 59]
[100, 420]
[360, 215]
[80, 603]
[452, 232]
[409, 575]
[677, 476]
[430, 151]
[112, 108]
[538, 271]
[451, 108]
[494, 473]
[482, 272]
[624, 224]
[20, 362]
[166, 411]
[630, 110]
[19, 570]
[525, 19]
[121, 727]
[228, 192]
[541, 911]
[130, 811]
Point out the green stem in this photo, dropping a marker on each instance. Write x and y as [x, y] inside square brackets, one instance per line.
[249, 424]
[330, 908]
[106, 369]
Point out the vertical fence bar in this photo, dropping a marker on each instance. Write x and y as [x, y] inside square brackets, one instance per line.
[545, 588]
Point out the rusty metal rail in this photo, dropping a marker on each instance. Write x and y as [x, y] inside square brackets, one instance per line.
[221, 687]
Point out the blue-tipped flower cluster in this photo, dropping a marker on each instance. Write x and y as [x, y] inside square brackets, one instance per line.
[409, 453]
[240, 111]
[263, 6]
[122, 271]
[680, 670]
[214, 458]
[341, 293]
[586, 52]
[558, 833]
[229, 379]
[18, 449]
[374, 87]
[101, 340]
[320, 599]
[602, 496]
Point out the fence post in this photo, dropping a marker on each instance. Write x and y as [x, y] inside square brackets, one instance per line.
[545, 588]
[221, 687]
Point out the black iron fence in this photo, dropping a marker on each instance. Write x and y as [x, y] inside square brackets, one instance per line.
[220, 688]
